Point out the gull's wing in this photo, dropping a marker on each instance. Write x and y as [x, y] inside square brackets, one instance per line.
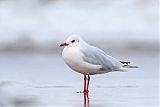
[96, 56]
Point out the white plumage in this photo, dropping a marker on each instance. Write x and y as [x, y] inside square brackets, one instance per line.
[87, 59]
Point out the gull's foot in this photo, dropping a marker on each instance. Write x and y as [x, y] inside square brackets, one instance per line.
[85, 92]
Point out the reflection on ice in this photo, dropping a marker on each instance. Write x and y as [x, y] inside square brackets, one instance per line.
[86, 100]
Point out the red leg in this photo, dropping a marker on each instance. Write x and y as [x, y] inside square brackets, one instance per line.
[88, 83]
[85, 84]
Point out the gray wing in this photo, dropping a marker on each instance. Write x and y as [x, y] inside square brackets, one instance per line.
[96, 56]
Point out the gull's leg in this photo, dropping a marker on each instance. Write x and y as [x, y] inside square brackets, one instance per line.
[88, 83]
[85, 84]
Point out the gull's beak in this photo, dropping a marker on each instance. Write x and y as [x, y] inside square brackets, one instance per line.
[64, 44]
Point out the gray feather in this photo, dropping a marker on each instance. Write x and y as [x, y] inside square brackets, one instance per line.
[96, 56]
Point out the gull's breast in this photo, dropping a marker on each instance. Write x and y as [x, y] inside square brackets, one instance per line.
[73, 58]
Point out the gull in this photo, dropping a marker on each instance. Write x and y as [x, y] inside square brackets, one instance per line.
[89, 60]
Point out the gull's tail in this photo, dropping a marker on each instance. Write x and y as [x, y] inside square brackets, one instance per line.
[127, 65]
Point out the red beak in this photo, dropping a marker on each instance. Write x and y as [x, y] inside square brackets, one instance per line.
[64, 44]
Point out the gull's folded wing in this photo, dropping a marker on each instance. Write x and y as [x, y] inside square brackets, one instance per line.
[96, 56]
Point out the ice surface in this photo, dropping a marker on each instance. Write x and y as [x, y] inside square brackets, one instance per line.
[48, 80]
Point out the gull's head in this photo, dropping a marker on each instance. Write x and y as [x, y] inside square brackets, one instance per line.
[72, 40]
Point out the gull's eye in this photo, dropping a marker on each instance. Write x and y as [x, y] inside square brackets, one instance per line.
[73, 41]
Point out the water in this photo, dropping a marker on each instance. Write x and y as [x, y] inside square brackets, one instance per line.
[46, 79]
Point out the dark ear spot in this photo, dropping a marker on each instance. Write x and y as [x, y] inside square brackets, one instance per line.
[73, 41]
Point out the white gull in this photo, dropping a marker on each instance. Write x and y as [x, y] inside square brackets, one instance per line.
[89, 60]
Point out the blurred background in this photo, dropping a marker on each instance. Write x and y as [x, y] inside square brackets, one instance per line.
[31, 65]
[42, 24]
